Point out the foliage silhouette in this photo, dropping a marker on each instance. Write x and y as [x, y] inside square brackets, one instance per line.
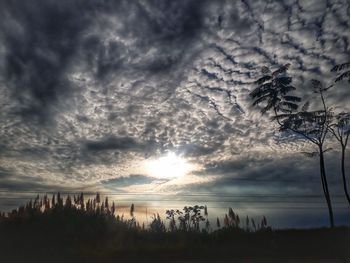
[315, 127]
[189, 219]
[80, 230]
[341, 126]
[343, 72]
[273, 89]
[341, 131]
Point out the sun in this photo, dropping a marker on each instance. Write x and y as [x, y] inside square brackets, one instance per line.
[169, 166]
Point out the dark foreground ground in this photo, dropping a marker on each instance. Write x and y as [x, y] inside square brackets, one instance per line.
[75, 242]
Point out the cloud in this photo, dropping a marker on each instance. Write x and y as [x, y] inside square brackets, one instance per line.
[39, 43]
[114, 143]
[10, 182]
[133, 179]
[270, 175]
[4, 173]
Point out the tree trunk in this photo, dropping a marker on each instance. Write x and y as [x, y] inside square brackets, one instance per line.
[325, 188]
[343, 174]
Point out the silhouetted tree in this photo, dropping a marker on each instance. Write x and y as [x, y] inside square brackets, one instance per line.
[341, 131]
[273, 89]
[195, 214]
[189, 218]
[314, 126]
[341, 127]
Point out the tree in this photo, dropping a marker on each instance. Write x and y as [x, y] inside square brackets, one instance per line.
[189, 219]
[273, 90]
[314, 126]
[341, 127]
[341, 131]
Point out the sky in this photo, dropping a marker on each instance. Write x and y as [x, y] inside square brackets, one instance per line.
[106, 95]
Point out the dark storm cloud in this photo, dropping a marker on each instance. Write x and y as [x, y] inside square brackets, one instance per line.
[168, 28]
[9, 181]
[44, 40]
[40, 39]
[26, 184]
[297, 175]
[114, 143]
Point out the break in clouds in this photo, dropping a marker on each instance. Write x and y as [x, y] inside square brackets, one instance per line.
[91, 90]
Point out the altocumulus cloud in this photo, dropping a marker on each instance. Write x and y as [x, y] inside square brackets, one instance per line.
[91, 89]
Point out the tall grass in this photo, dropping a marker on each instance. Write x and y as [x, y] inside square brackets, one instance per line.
[189, 219]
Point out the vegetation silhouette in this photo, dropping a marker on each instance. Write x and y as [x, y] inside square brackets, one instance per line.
[273, 91]
[75, 230]
[187, 220]
[341, 126]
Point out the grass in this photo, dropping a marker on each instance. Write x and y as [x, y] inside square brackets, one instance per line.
[69, 233]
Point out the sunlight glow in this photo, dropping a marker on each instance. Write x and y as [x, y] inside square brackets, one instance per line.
[169, 166]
